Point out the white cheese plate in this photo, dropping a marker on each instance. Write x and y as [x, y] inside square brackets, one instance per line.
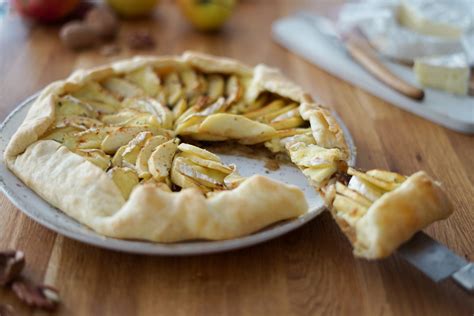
[42, 212]
[297, 35]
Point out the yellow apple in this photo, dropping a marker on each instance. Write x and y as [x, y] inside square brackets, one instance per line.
[132, 8]
[207, 15]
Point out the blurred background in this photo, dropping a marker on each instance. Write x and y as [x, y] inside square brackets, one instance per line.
[79, 33]
[55, 34]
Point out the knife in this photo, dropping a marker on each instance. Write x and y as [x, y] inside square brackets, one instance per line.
[363, 54]
[437, 261]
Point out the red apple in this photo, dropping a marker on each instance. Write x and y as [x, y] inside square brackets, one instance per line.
[45, 10]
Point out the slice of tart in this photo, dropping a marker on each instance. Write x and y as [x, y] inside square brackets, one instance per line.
[379, 210]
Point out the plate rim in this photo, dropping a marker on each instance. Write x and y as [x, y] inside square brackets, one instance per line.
[184, 248]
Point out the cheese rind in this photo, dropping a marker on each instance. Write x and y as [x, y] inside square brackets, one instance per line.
[449, 73]
[448, 19]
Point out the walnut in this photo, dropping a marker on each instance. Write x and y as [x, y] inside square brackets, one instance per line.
[6, 310]
[103, 21]
[40, 296]
[141, 40]
[11, 264]
[78, 35]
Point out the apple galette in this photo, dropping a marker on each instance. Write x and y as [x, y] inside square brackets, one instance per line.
[119, 148]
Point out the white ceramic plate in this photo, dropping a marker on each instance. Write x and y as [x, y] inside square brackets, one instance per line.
[42, 212]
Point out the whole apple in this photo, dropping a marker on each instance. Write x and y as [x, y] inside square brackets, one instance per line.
[45, 10]
[207, 15]
[132, 8]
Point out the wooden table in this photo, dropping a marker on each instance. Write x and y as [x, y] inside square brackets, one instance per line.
[308, 272]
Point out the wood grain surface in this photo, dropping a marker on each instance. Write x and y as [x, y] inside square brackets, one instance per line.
[310, 271]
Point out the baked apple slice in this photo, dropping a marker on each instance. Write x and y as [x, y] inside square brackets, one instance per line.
[118, 137]
[121, 88]
[142, 160]
[173, 88]
[147, 79]
[79, 122]
[216, 86]
[61, 133]
[159, 163]
[96, 156]
[125, 178]
[149, 105]
[269, 117]
[96, 96]
[233, 90]
[133, 148]
[68, 106]
[267, 109]
[236, 127]
[317, 163]
[203, 169]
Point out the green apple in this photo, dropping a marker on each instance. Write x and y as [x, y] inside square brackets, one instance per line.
[207, 15]
[132, 8]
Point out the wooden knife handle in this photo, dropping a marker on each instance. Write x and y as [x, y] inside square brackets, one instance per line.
[361, 51]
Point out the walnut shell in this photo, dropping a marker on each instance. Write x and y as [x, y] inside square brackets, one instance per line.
[11, 265]
[103, 21]
[78, 35]
[40, 296]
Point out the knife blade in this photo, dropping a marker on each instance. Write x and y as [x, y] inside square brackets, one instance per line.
[363, 54]
[437, 261]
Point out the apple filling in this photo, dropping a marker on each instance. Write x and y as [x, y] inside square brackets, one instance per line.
[351, 201]
[129, 126]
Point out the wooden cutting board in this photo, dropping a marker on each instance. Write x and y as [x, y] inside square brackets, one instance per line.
[300, 37]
